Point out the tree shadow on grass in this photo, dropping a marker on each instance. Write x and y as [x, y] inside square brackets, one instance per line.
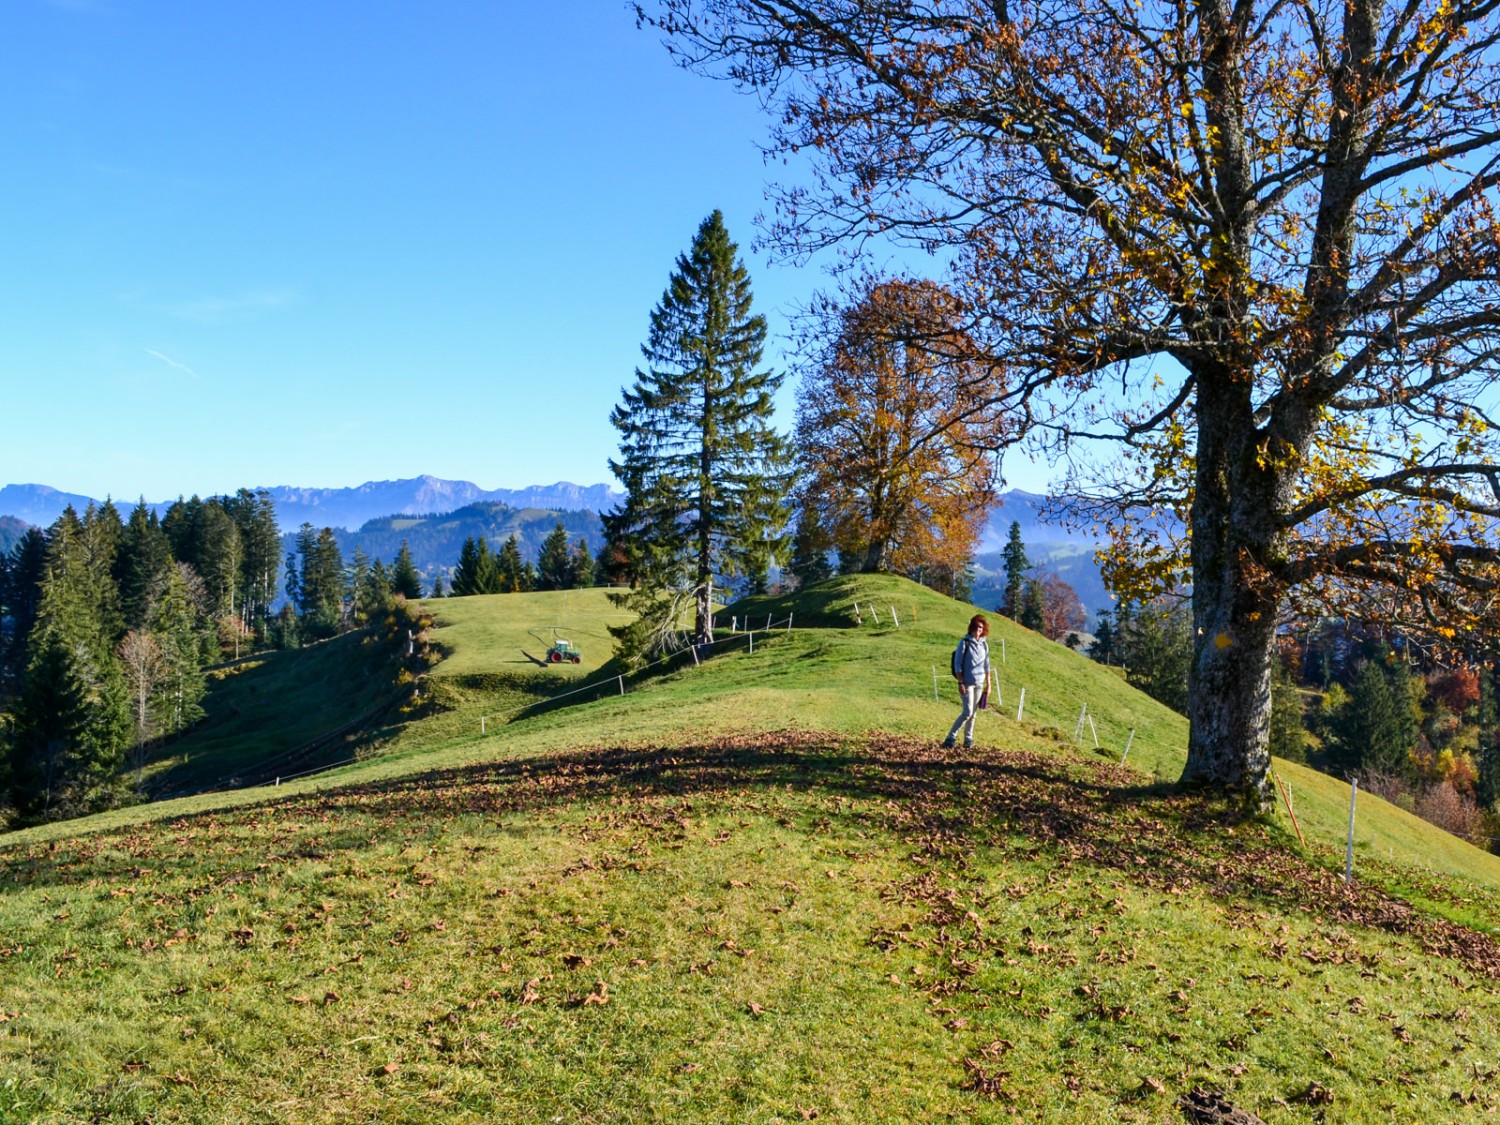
[1071, 810]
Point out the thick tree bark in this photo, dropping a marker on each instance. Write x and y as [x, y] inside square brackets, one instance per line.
[1235, 599]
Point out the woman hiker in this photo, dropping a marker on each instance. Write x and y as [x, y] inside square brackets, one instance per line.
[971, 668]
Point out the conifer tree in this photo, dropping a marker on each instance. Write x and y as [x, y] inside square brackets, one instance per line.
[1033, 606]
[1016, 564]
[1377, 729]
[254, 515]
[404, 577]
[377, 588]
[141, 564]
[554, 569]
[317, 577]
[1288, 738]
[72, 720]
[175, 623]
[359, 574]
[507, 574]
[810, 546]
[20, 600]
[704, 473]
[1487, 789]
[1103, 648]
[466, 569]
[581, 565]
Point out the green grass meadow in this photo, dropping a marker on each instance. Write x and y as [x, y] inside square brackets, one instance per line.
[751, 889]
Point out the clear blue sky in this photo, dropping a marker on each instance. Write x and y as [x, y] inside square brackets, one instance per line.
[321, 243]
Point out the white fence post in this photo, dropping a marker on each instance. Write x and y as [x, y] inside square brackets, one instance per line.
[1002, 650]
[1094, 731]
[1078, 727]
[894, 618]
[789, 622]
[622, 684]
[752, 642]
[934, 684]
[1128, 741]
[1021, 707]
[481, 724]
[1349, 847]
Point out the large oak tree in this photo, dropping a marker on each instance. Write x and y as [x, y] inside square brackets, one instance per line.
[1253, 241]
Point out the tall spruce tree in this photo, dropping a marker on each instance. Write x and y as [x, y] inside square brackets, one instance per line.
[404, 577]
[176, 624]
[72, 719]
[582, 564]
[705, 475]
[508, 572]
[1033, 605]
[316, 581]
[554, 570]
[1016, 564]
[20, 600]
[254, 515]
[467, 567]
[141, 564]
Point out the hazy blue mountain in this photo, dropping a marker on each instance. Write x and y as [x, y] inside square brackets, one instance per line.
[435, 540]
[352, 508]
[345, 508]
[38, 505]
[436, 515]
[1052, 548]
[11, 530]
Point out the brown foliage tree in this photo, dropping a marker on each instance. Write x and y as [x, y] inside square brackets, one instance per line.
[1253, 243]
[893, 436]
[1062, 610]
[1457, 690]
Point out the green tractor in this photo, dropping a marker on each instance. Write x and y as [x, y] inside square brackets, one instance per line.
[563, 652]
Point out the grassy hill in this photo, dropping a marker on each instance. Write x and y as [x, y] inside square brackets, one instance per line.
[751, 890]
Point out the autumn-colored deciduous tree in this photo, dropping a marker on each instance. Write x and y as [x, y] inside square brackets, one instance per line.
[894, 440]
[1252, 243]
[1062, 609]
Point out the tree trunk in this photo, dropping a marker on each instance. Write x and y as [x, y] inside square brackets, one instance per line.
[1235, 600]
[703, 628]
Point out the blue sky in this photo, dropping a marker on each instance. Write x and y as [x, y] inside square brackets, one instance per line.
[325, 243]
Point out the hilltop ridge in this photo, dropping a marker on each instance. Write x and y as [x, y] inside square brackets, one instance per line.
[749, 887]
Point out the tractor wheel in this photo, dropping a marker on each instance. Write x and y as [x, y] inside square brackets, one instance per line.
[554, 658]
[577, 660]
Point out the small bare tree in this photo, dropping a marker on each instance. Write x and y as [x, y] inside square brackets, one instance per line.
[145, 668]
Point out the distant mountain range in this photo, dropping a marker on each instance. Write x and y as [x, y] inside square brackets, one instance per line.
[364, 516]
[11, 530]
[342, 508]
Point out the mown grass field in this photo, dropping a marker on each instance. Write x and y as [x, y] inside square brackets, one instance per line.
[749, 891]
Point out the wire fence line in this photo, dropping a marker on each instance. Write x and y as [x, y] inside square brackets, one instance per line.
[600, 685]
[696, 651]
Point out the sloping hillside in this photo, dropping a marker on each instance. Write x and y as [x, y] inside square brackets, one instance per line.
[749, 890]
